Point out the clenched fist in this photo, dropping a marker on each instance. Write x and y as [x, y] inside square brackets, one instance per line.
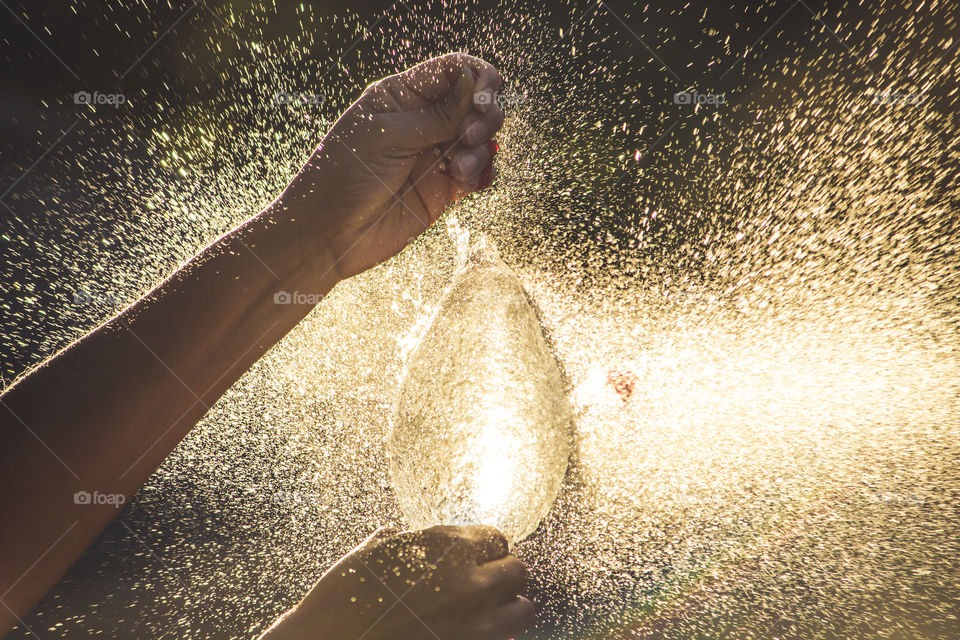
[409, 146]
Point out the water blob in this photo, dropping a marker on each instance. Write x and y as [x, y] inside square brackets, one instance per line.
[481, 427]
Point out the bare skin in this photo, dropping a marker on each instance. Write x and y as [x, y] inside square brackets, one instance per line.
[444, 582]
[103, 413]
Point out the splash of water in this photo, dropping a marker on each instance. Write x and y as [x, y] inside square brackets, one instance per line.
[481, 429]
[777, 280]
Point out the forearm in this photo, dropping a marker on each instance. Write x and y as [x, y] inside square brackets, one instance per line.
[103, 413]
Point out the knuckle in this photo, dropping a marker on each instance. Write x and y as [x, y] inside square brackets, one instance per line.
[455, 56]
[494, 536]
[499, 117]
[491, 532]
[480, 583]
[440, 532]
[444, 539]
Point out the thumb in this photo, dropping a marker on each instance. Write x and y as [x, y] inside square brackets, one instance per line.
[439, 122]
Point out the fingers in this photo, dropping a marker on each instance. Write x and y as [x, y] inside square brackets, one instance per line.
[506, 621]
[433, 78]
[436, 122]
[435, 182]
[476, 128]
[429, 188]
[479, 543]
[505, 578]
[464, 582]
[487, 86]
[471, 169]
[441, 100]
[467, 163]
[489, 542]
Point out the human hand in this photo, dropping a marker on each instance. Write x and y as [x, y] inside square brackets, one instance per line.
[412, 144]
[446, 583]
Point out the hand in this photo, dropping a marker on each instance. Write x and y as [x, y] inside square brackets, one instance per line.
[413, 143]
[451, 583]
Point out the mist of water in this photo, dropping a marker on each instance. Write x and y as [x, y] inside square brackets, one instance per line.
[755, 306]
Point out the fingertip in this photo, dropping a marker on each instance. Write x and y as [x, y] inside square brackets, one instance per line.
[517, 616]
[526, 605]
[467, 163]
[486, 178]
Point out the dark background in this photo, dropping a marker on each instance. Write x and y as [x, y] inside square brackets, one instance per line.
[49, 50]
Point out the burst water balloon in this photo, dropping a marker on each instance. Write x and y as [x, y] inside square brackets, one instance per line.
[481, 428]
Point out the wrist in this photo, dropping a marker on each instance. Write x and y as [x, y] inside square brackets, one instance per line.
[293, 215]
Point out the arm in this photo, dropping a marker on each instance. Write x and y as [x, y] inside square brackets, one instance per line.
[104, 412]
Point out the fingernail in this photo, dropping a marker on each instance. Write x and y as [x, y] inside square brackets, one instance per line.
[492, 148]
[466, 164]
